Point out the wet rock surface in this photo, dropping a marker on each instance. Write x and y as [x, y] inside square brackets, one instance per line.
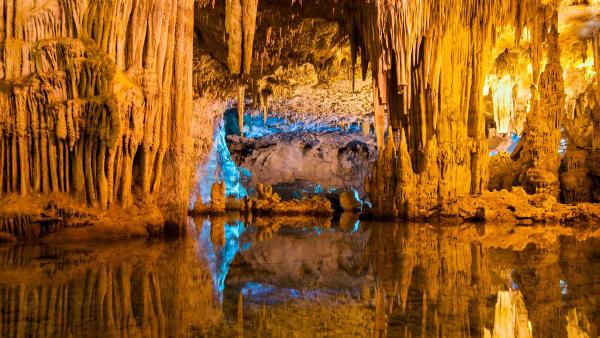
[329, 159]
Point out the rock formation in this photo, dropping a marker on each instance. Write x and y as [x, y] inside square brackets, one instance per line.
[539, 156]
[330, 159]
[269, 203]
[218, 201]
[419, 52]
[94, 100]
[349, 201]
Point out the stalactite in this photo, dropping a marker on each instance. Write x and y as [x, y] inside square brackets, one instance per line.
[240, 25]
[233, 26]
[265, 93]
[379, 112]
[575, 184]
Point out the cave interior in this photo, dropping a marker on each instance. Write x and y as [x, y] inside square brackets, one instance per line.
[398, 143]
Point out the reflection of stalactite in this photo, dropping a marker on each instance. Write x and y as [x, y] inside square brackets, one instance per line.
[107, 299]
[540, 286]
[510, 316]
[426, 275]
[442, 280]
[162, 290]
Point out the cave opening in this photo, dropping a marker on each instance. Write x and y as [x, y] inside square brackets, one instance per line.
[306, 112]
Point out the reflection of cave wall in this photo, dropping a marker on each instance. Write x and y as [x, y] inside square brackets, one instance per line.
[85, 291]
[302, 260]
[446, 280]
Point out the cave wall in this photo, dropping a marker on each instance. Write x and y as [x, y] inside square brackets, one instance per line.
[429, 60]
[94, 100]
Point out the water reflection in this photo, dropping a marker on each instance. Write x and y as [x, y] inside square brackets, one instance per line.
[305, 276]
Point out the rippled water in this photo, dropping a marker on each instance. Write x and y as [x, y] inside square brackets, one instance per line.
[307, 277]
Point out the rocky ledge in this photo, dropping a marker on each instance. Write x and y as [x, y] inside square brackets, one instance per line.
[516, 206]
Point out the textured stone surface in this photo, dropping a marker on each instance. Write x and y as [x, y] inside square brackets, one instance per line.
[331, 159]
[94, 100]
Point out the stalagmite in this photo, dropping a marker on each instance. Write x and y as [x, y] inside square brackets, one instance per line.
[217, 195]
[539, 157]
[241, 108]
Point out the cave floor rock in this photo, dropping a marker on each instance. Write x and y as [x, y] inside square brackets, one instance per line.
[58, 218]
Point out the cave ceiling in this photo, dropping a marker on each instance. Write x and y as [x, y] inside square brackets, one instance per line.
[288, 36]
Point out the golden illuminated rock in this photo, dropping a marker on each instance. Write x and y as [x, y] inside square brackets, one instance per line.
[217, 197]
[93, 100]
[349, 202]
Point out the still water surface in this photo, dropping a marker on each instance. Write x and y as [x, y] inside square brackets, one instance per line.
[306, 277]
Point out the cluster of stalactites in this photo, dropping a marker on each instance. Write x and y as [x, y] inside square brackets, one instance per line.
[428, 60]
[575, 183]
[85, 87]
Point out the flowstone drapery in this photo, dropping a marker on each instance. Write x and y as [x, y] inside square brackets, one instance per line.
[94, 97]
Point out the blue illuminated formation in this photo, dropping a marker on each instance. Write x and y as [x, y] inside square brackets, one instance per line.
[515, 140]
[267, 294]
[206, 249]
[219, 259]
[515, 286]
[220, 166]
[356, 226]
[562, 147]
[357, 195]
[255, 127]
[564, 287]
